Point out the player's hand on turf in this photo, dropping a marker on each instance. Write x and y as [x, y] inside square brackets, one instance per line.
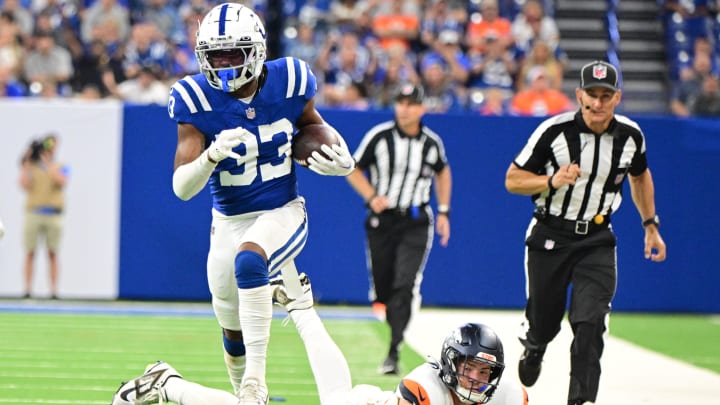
[225, 141]
[340, 162]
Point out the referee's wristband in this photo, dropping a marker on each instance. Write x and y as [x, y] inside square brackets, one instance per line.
[444, 209]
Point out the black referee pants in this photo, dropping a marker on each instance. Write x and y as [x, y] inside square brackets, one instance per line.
[555, 259]
[398, 246]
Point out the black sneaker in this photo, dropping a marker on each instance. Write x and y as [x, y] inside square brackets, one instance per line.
[529, 366]
[389, 367]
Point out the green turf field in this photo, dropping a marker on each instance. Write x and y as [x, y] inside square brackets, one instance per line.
[81, 359]
[691, 338]
[60, 358]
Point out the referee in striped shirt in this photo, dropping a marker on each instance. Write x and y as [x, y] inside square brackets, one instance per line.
[573, 166]
[401, 158]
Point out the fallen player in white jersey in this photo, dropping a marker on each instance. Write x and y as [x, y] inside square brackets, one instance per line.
[469, 371]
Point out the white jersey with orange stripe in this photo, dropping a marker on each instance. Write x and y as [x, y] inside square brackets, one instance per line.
[423, 386]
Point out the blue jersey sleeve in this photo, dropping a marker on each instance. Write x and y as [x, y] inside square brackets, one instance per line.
[299, 80]
[187, 97]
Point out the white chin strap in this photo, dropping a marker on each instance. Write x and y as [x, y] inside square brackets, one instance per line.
[468, 397]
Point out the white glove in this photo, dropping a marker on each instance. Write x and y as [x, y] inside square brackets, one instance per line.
[225, 141]
[341, 162]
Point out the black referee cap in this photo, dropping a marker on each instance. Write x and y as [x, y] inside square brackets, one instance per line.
[599, 74]
[414, 93]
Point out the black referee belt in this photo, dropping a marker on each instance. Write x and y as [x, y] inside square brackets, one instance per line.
[576, 227]
[413, 212]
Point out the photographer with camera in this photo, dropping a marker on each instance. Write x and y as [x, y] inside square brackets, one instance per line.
[43, 178]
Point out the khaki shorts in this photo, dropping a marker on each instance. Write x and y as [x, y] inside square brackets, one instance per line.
[48, 226]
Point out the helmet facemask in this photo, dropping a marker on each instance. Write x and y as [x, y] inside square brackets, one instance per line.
[475, 391]
[230, 47]
[472, 362]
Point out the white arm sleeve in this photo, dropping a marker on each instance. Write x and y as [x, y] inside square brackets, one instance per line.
[190, 178]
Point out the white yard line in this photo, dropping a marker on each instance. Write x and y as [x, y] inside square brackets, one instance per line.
[631, 375]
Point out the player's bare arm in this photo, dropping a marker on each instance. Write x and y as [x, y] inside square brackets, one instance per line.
[309, 115]
[191, 143]
[337, 160]
[643, 194]
[523, 182]
[25, 176]
[443, 188]
[361, 184]
[190, 177]
[57, 174]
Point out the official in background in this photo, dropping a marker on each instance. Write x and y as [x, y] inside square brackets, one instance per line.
[396, 163]
[43, 179]
[573, 166]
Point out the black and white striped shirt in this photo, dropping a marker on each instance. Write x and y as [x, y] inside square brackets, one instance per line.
[605, 160]
[401, 167]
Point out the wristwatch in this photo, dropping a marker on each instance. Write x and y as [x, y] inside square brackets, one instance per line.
[655, 220]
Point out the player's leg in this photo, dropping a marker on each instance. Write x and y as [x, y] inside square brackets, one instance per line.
[328, 364]
[273, 239]
[410, 260]
[161, 382]
[54, 232]
[382, 242]
[547, 279]
[28, 272]
[255, 303]
[184, 392]
[30, 237]
[594, 282]
[295, 292]
[223, 287]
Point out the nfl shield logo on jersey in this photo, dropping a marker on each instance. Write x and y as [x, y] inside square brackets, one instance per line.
[599, 71]
[250, 113]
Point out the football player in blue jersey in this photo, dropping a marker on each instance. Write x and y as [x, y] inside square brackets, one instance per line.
[472, 361]
[236, 120]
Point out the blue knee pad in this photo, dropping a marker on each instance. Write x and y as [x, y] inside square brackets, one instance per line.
[250, 270]
[234, 348]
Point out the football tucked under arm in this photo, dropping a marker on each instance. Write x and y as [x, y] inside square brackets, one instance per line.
[323, 150]
[309, 139]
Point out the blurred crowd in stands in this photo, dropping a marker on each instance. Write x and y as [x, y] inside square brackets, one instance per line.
[492, 57]
[489, 57]
[692, 36]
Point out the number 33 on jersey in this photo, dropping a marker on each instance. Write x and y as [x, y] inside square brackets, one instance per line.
[265, 176]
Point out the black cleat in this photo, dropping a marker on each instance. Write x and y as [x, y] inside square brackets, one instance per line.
[529, 366]
[389, 367]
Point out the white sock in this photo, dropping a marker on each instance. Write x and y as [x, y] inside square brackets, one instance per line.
[329, 366]
[236, 370]
[189, 393]
[255, 318]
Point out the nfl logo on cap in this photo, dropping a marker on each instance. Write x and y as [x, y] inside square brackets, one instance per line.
[599, 74]
[599, 71]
